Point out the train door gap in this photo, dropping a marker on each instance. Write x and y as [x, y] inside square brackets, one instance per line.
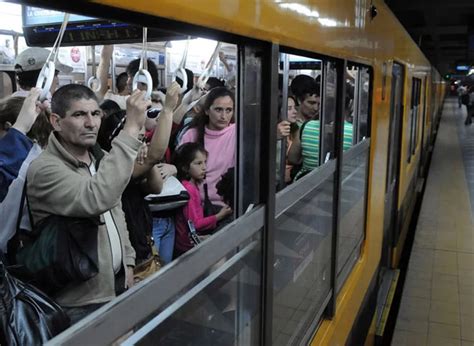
[390, 236]
[388, 276]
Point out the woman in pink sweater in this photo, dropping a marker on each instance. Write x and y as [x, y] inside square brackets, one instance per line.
[190, 160]
[214, 129]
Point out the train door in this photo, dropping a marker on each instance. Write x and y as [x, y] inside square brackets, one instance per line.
[424, 148]
[393, 163]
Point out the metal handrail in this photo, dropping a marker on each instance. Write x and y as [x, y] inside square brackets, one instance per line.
[125, 312]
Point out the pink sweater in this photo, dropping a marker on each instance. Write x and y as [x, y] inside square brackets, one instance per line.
[221, 148]
[192, 211]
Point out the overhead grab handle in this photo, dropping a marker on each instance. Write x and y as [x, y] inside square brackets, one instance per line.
[204, 77]
[142, 75]
[46, 75]
[181, 71]
[93, 80]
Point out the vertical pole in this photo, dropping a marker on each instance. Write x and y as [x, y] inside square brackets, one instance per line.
[267, 180]
[284, 116]
[340, 109]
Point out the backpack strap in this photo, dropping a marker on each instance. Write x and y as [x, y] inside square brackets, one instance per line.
[302, 128]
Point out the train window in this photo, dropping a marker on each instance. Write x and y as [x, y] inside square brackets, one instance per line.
[299, 118]
[304, 208]
[221, 278]
[356, 118]
[414, 117]
[354, 174]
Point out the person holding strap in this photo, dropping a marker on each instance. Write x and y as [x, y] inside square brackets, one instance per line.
[64, 180]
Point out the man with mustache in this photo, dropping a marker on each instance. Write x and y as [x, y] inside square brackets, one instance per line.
[66, 180]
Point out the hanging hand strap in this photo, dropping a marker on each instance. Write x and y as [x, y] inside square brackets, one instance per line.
[203, 78]
[46, 76]
[181, 71]
[143, 76]
[93, 79]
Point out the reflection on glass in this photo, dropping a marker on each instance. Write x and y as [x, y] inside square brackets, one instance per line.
[352, 210]
[225, 310]
[302, 266]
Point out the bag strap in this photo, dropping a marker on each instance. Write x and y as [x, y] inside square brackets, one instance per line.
[16, 241]
[302, 128]
[20, 211]
[98, 154]
[206, 193]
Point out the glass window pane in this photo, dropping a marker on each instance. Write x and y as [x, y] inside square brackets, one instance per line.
[363, 123]
[352, 208]
[302, 267]
[225, 311]
[350, 106]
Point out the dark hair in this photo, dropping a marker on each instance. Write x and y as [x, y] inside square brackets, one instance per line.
[202, 119]
[110, 128]
[27, 79]
[190, 76]
[302, 86]
[61, 100]
[133, 66]
[214, 82]
[121, 81]
[109, 107]
[225, 187]
[183, 156]
[9, 110]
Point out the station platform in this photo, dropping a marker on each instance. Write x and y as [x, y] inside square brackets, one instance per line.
[437, 305]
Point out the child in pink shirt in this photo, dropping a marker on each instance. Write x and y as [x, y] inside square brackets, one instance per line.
[190, 160]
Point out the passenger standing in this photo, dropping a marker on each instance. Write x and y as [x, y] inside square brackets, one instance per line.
[65, 181]
[462, 90]
[146, 179]
[305, 147]
[28, 65]
[469, 105]
[190, 159]
[214, 129]
[132, 68]
[17, 118]
[288, 129]
[307, 93]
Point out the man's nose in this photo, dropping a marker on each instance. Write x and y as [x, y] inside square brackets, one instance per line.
[89, 120]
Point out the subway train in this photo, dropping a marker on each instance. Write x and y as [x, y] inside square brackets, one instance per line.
[307, 262]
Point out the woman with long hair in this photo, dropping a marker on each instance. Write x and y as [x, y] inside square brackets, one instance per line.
[215, 130]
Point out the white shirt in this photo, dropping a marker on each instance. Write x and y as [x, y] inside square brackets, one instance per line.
[113, 234]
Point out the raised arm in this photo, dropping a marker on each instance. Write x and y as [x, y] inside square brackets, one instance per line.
[103, 70]
[194, 94]
[161, 136]
[69, 192]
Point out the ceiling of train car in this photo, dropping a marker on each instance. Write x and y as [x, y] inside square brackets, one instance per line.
[444, 30]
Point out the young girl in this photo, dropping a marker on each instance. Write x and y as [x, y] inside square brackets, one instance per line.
[215, 130]
[190, 160]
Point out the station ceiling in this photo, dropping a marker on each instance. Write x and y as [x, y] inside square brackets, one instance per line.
[444, 29]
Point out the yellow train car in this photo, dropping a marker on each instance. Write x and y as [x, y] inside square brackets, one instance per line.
[305, 264]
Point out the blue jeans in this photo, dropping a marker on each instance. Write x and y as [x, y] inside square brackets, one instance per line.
[163, 235]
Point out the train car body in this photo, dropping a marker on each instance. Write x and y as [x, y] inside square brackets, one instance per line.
[406, 94]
